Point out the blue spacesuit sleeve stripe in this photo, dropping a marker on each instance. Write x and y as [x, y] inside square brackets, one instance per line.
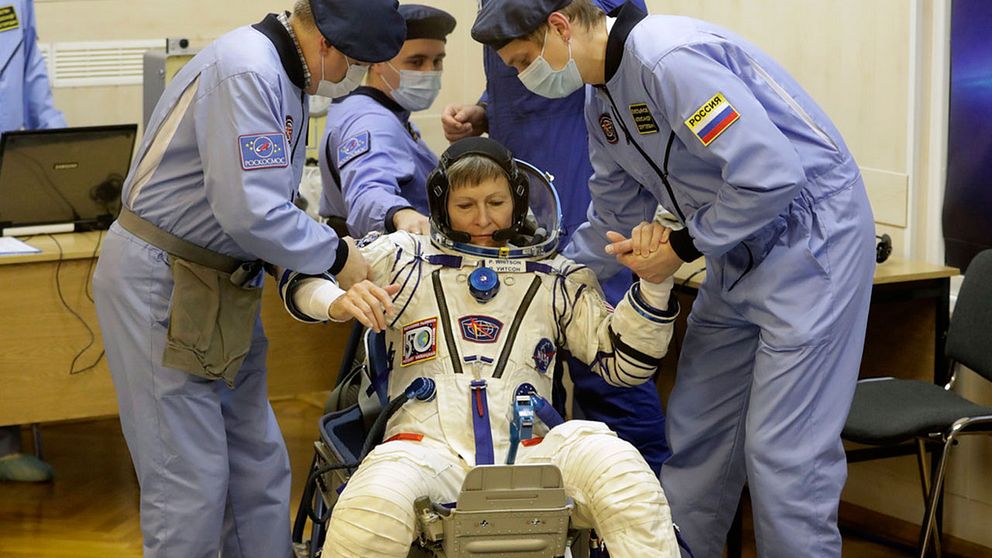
[649, 312]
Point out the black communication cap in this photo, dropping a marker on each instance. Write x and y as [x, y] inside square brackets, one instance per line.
[501, 21]
[364, 30]
[425, 22]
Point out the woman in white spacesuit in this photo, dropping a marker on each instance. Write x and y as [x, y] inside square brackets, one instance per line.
[481, 308]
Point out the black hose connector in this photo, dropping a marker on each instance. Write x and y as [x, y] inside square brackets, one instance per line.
[422, 389]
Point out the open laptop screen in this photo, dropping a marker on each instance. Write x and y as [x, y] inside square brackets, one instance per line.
[64, 175]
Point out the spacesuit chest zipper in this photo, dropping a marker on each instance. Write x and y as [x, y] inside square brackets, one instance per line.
[662, 174]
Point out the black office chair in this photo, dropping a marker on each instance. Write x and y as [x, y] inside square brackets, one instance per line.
[890, 411]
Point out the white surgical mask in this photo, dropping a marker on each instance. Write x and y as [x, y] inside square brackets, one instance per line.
[351, 80]
[553, 84]
[417, 90]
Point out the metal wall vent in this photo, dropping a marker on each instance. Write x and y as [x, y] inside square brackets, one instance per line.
[85, 64]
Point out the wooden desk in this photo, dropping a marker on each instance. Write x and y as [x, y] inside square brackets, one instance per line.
[39, 337]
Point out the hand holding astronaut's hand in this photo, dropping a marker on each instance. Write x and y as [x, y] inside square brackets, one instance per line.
[650, 265]
[645, 239]
[411, 220]
[366, 302]
[355, 269]
[462, 121]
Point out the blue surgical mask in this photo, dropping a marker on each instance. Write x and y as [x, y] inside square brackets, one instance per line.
[416, 90]
[546, 82]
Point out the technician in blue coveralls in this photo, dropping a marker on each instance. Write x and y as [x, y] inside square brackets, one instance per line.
[208, 200]
[25, 103]
[373, 162]
[551, 134]
[691, 116]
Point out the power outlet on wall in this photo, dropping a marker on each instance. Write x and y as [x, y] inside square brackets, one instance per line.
[178, 45]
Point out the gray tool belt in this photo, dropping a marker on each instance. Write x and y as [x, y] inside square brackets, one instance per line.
[212, 313]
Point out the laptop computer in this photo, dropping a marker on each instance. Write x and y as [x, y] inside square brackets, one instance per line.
[63, 179]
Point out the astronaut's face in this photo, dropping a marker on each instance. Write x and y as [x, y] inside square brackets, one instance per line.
[481, 209]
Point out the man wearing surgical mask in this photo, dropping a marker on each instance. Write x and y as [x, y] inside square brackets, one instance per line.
[207, 202]
[690, 116]
[373, 162]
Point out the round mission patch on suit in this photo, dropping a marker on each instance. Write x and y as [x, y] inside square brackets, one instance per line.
[609, 130]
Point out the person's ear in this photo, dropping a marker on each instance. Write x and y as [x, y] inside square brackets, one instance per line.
[560, 24]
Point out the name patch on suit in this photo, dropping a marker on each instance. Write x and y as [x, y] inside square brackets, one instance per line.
[642, 119]
[351, 148]
[263, 151]
[712, 119]
[8, 19]
[480, 329]
[419, 341]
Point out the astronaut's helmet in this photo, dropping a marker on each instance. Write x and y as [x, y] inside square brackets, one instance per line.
[535, 225]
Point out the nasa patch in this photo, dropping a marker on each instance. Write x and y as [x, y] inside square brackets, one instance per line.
[263, 151]
[351, 148]
[480, 329]
[609, 130]
[544, 353]
[419, 341]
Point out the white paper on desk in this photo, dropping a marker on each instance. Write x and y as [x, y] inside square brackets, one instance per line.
[11, 246]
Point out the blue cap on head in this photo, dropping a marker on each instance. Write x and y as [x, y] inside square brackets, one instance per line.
[425, 22]
[501, 21]
[364, 30]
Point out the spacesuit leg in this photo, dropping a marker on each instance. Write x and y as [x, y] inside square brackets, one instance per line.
[705, 475]
[614, 490]
[374, 515]
[634, 413]
[256, 522]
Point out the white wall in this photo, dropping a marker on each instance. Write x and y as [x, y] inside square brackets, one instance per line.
[876, 67]
[203, 21]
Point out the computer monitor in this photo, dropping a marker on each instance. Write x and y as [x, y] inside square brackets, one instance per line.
[70, 178]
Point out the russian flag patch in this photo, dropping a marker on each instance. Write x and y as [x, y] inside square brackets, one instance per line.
[263, 151]
[712, 119]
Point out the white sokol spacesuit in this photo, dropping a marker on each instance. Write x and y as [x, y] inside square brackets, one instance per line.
[485, 329]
